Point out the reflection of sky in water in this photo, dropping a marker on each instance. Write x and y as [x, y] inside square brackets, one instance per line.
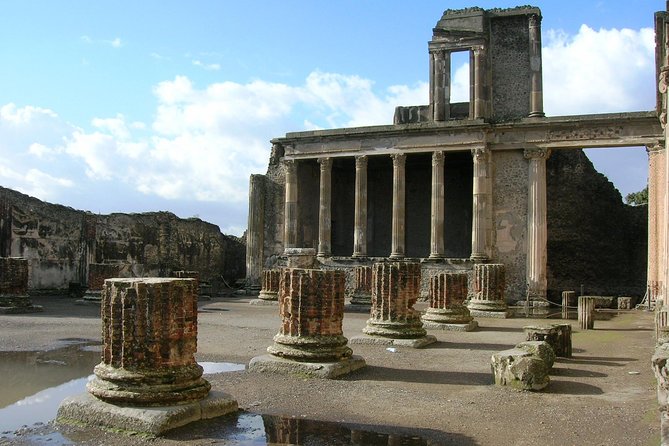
[43, 406]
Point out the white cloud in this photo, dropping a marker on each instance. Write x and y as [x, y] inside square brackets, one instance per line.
[599, 71]
[116, 43]
[207, 66]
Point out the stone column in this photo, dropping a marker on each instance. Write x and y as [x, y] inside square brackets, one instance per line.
[360, 219]
[362, 294]
[481, 198]
[437, 207]
[393, 320]
[586, 312]
[656, 212]
[568, 298]
[290, 211]
[536, 88]
[149, 331]
[325, 208]
[398, 224]
[255, 232]
[447, 310]
[440, 84]
[310, 341]
[480, 97]
[537, 230]
[488, 297]
[270, 285]
[663, 88]
[14, 286]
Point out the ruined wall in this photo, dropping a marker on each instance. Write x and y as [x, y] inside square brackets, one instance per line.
[510, 175]
[594, 239]
[61, 242]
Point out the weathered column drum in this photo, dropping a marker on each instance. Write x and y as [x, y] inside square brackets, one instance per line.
[395, 289]
[311, 306]
[270, 284]
[14, 282]
[448, 292]
[149, 330]
[488, 296]
[362, 294]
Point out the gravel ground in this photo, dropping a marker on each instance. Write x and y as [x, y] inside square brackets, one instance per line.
[604, 395]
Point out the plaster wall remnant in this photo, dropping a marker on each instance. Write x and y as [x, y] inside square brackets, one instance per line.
[471, 182]
[60, 243]
[447, 310]
[149, 334]
[310, 339]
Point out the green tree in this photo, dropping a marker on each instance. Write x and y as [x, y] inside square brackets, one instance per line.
[637, 198]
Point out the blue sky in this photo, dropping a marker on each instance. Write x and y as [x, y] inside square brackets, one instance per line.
[170, 105]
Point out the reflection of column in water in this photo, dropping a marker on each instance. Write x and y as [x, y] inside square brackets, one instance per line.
[282, 430]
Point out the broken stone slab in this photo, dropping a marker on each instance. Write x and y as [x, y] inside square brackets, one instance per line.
[542, 349]
[89, 410]
[327, 370]
[519, 369]
[470, 326]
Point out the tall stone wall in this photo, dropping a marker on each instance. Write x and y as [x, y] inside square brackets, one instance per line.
[61, 242]
[594, 239]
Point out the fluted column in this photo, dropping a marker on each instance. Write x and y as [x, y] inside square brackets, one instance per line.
[290, 211]
[663, 87]
[437, 207]
[480, 197]
[536, 87]
[537, 230]
[398, 224]
[656, 212]
[325, 208]
[360, 219]
[480, 97]
[256, 229]
[488, 297]
[440, 84]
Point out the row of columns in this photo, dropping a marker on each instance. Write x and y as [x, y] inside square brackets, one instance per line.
[481, 218]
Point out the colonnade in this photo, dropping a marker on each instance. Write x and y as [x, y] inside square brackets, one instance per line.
[481, 210]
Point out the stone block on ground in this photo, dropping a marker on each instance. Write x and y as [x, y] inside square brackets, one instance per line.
[558, 337]
[541, 349]
[520, 369]
[625, 303]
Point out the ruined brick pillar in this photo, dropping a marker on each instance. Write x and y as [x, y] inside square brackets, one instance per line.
[325, 208]
[480, 204]
[437, 207]
[360, 219]
[14, 283]
[448, 292]
[395, 289]
[399, 206]
[311, 306]
[362, 294]
[270, 284]
[488, 297]
[149, 331]
[255, 232]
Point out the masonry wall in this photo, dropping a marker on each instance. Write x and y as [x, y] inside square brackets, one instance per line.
[61, 242]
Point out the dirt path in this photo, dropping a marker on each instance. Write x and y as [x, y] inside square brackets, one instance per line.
[604, 395]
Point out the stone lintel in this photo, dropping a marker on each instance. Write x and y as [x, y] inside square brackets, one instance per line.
[327, 370]
[86, 409]
[377, 340]
[471, 326]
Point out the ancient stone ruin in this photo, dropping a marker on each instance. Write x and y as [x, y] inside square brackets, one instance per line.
[488, 297]
[148, 380]
[393, 320]
[362, 292]
[14, 297]
[447, 310]
[310, 340]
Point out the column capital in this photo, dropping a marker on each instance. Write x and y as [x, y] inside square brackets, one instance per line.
[398, 159]
[480, 153]
[326, 163]
[437, 158]
[537, 153]
[655, 147]
[535, 19]
[361, 161]
[290, 165]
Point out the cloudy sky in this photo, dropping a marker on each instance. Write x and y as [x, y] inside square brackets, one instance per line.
[128, 106]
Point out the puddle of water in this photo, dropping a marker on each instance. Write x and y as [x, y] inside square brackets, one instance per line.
[262, 430]
[35, 383]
